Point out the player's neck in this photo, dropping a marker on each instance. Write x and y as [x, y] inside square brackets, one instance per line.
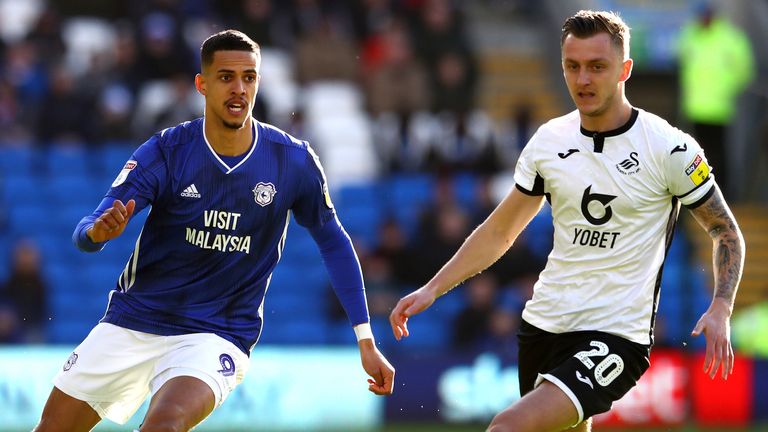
[227, 141]
[613, 118]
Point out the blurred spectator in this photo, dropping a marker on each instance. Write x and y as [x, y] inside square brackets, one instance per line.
[404, 140]
[185, 104]
[382, 290]
[3, 49]
[472, 325]
[324, 52]
[162, 53]
[65, 115]
[515, 132]
[442, 43]
[24, 295]
[115, 86]
[397, 88]
[371, 17]
[519, 268]
[46, 35]
[264, 21]
[10, 113]
[124, 57]
[396, 80]
[112, 121]
[502, 332]
[443, 227]
[29, 77]
[453, 83]
[10, 330]
[749, 325]
[716, 65]
[464, 141]
[393, 248]
[487, 322]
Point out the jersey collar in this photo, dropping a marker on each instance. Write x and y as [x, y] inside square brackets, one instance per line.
[223, 165]
[598, 138]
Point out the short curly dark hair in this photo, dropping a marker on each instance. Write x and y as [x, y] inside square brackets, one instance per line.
[227, 40]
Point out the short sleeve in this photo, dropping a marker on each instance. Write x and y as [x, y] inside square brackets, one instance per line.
[688, 173]
[313, 207]
[527, 177]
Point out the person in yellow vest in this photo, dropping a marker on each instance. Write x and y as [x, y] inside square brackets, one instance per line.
[748, 327]
[716, 65]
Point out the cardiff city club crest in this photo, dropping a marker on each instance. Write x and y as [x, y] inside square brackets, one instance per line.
[263, 194]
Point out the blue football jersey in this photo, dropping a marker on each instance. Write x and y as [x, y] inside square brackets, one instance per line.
[214, 233]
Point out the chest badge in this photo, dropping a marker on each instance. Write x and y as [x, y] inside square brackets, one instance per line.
[264, 193]
[629, 165]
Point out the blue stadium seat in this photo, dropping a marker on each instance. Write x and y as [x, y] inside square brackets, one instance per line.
[69, 331]
[362, 222]
[284, 304]
[54, 249]
[359, 194]
[22, 190]
[6, 246]
[465, 189]
[28, 220]
[427, 331]
[67, 160]
[539, 232]
[65, 219]
[19, 160]
[111, 158]
[299, 245]
[294, 331]
[71, 190]
[449, 305]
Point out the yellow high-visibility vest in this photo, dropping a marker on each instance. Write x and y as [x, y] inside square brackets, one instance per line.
[716, 65]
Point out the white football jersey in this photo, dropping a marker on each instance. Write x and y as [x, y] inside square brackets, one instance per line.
[615, 199]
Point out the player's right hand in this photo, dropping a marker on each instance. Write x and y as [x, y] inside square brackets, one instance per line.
[112, 222]
[408, 306]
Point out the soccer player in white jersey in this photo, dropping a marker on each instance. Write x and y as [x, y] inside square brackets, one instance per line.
[187, 309]
[615, 176]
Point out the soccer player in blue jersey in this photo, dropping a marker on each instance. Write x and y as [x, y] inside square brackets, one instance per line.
[187, 309]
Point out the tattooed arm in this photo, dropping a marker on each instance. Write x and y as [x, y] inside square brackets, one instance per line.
[728, 262]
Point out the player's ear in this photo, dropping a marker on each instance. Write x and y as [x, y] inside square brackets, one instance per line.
[200, 84]
[626, 69]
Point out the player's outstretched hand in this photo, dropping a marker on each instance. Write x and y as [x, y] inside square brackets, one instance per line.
[382, 373]
[408, 306]
[716, 327]
[112, 222]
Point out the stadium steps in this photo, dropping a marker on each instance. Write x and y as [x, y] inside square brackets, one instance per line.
[754, 225]
[511, 80]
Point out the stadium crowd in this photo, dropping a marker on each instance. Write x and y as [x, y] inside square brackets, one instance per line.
[91, 75]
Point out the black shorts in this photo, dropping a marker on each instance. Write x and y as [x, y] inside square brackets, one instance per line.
[593, 368]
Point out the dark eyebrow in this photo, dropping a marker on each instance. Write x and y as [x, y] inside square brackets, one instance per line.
[251, 71]
[594, 60]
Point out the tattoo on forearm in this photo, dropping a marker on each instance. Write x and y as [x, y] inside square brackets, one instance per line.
[728, 267]
[728, 254]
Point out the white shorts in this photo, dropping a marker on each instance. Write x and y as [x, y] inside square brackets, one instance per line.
[114, 369]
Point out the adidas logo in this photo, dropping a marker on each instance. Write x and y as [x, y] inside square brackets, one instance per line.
[191, 192]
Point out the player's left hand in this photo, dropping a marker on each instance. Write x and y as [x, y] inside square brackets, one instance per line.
[382, 373]
[716, 326]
